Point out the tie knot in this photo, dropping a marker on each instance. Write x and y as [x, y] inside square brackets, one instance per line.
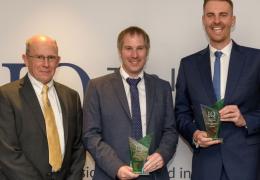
[45, 89]
[218, 54]
[133, 82]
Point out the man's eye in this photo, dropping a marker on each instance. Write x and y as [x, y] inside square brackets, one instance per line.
[128, 48]
[51, 58]
[209, 15]
[223, 14]
[41, 57]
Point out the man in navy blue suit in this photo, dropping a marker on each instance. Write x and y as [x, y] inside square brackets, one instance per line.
[238, 72]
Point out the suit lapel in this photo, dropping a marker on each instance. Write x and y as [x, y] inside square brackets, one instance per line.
[32, 101]
[236, 64]
[150, 97]
[64, 108]
[203, 65]
[118, 87]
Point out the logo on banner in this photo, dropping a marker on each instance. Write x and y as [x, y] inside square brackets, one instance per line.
[15, 69]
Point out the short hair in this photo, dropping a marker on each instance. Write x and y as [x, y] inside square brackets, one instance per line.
[133, 30]
[228, 1]
[27, 47]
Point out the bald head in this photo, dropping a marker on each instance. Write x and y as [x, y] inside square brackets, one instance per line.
[39, 40]
[41, 57]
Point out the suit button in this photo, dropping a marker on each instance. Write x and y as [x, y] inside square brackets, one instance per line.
[49, 174]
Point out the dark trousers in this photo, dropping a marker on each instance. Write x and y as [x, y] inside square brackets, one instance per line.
[224, 174]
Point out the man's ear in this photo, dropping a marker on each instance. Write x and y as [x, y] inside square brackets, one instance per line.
[233, 21]
[25, 59]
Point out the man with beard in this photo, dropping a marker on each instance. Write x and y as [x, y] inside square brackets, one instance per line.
[224, 70]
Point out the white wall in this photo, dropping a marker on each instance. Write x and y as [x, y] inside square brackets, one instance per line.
[86, 31]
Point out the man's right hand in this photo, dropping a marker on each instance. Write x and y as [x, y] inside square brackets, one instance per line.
[202, 139]
[126, 172]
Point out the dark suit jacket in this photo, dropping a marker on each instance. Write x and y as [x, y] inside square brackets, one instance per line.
[240, 152]
[23, 142]
[107, 124]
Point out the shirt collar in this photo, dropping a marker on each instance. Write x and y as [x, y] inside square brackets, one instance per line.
[125, 75]
[37, 84]
[226, 50]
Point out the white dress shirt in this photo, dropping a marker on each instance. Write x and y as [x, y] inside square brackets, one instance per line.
[224, 64]
[142, 96]
[55, 104]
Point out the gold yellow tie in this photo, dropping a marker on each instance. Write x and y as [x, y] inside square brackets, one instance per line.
[55, 157]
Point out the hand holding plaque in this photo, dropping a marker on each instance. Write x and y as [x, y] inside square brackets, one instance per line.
[138, 153]
[211, 118]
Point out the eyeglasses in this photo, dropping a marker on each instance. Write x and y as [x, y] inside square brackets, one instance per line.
[42, 58]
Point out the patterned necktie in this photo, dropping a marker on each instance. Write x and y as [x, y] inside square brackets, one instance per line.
[55, 157]
[135, 106]
[216, 75]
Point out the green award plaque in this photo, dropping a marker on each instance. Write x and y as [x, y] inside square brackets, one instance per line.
[211, 118]
[138, 153]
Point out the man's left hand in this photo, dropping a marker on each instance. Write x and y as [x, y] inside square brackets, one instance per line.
[154, 162]
[231, 113]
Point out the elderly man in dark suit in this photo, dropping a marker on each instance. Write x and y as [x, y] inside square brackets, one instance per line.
[40, 121]
[109, 116]
[224, 70]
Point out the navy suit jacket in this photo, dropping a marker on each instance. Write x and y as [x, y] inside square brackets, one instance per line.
[107, 124]
[23, 140]
[240, 152]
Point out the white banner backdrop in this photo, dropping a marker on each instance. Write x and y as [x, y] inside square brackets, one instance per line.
[86, 31]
